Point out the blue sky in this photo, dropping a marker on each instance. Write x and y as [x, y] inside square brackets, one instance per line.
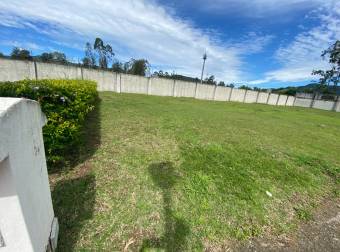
[264, 43]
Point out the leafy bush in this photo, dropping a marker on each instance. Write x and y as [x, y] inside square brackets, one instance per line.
[65, 104]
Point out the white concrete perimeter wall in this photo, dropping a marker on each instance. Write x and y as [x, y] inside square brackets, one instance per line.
[222, 93]
[184, 89]
[14, 70]
[273, 99]
[162, 87]
[251, 96]
[205, 92]
[237, 95]
[325, 105]
[282, 100]
[133, 84]
[301, 102]
[263, 98]
[106, 80]
[290, 101]
[55, 71]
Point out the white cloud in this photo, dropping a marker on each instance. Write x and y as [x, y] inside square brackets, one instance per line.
[135, 28]
[301, 56]
[258, 8]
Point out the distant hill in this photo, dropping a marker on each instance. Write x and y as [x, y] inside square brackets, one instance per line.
[309, 88]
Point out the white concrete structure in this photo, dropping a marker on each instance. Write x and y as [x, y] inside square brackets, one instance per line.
[250, 96]
[12, 70]
[325, 105]
[26, 212]
[57, 71]
[263, 98]
[290, 101]
[184, 89]
[238, 95]
[302, 102]
[273, 99]
[222, 93]
[161, 87]
[282, 100]
[205, 92]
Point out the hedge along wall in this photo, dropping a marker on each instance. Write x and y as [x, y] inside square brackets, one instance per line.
[65, 104]
[11, 70]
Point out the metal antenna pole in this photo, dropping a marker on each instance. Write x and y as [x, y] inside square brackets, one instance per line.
[204, 59]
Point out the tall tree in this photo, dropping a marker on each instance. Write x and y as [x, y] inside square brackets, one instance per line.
[90, 58]
[210, 80]
[104, 52]
[18, 53]
[53, 57]
[331, 76]
[138, 67]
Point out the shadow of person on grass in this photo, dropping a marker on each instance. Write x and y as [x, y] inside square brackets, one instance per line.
[176, 229]
[73, 202]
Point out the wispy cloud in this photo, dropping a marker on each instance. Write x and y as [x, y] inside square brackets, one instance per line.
[258, 8]
[301, 56]
[135, 29]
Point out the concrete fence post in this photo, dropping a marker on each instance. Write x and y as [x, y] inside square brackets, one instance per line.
[245, 96]
[278, 99]
[214, 93]
[268, 98]
[174, 89]
[230, 94]
[257, 96]
[149, 86]
[286, 100]
[313, 101]
[35, 70]
[196, 90]
[82, 73]
[336, 105]
[118, 82]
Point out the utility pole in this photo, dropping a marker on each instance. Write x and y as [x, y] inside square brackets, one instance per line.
[204, 59]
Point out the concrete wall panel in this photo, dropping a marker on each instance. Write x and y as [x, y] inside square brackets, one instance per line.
[55, 71]
[14, 70]
[106, 80]
[162, 87]
[251, 96]
[301, 102]
[205, 92]
[290, 101]
[237, 95]
[222, 93]
[263, 98]
[133, 84]
[273, 99]
[282, 100]
[325, 105]
[185, 89]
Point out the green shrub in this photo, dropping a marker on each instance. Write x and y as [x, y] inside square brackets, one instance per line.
[65, 104]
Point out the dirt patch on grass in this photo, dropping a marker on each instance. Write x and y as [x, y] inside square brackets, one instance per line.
[322, 233]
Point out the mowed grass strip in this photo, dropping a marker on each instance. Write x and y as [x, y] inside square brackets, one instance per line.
[178, 174]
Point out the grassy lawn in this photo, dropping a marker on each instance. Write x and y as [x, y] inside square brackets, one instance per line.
[183, 174]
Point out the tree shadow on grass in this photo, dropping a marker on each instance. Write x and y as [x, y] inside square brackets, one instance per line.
[176, 229]
[73, 202]
[89, 142]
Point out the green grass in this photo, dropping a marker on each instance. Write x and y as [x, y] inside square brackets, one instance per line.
[176, 174]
